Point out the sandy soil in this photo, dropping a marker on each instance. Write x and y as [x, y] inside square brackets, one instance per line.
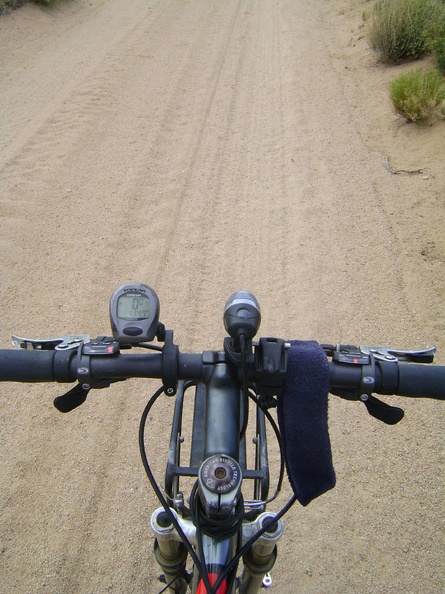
[202, 147]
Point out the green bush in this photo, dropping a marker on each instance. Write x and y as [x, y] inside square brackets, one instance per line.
[419, 95]
[397, 28]
[435, 33]
[11, 4]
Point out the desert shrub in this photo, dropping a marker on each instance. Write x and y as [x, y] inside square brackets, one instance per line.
[419, 95]
[11, 4]
[435, 33]
[397, 28]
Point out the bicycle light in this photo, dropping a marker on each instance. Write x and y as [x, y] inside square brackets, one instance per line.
[242, 315]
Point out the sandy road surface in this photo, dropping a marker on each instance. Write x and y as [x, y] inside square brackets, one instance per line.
[205, 146]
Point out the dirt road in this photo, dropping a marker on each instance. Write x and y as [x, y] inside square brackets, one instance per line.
[204, 146]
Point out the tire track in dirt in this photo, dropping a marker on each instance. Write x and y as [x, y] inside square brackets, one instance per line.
[193, 94]
[82, 110]
[57, 63]
[38, 158]
[80, 547]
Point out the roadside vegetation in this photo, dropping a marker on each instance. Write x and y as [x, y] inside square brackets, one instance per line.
[11, 4]
[405, 30]
[419, 95]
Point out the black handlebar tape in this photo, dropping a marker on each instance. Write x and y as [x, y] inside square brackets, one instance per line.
[422, 381]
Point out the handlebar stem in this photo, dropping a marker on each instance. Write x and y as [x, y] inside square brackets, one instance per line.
[222, 413]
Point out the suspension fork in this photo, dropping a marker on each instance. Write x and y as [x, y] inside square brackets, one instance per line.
[258, 561]
[260, 558]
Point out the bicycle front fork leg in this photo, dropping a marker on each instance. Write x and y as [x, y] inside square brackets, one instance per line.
[260, 559]
[170, 553]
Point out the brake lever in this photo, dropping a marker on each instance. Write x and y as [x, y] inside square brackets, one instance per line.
[346, 353]
[63, 343]
[390, 354]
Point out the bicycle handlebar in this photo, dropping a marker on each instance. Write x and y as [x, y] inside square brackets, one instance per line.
[391, 378]
[228, 377]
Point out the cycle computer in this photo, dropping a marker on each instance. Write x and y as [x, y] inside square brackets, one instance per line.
[134, 313]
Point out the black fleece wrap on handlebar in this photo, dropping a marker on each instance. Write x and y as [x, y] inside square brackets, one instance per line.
[303, 420]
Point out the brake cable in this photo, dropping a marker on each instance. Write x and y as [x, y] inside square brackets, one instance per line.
[245, 384]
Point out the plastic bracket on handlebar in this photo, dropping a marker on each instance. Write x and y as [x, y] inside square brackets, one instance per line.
[102, 346]
[83, 364]
[367, 358]
[367, 381]
[376, 408]
[270, 368]
[170, 354]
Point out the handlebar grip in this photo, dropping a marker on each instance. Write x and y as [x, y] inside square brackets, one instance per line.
[26, 366]
[61, 366]
[422, 381]
[35, 366]
[400, 379]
